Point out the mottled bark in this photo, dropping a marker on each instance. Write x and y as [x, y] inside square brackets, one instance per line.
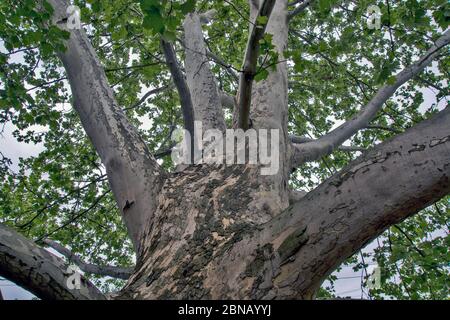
[210, 245]
[39, 271]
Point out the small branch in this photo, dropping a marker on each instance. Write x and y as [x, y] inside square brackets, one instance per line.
[145, 97]
[325, 145]
[376, 127]
[221, 62]
[39, 271]
[249, 66]
[297, 140]
[299, 9]
[110, 271]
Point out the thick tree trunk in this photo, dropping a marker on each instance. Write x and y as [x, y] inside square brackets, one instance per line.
[207, 240]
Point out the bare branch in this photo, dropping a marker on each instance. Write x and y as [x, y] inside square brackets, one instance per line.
[39, 271]
[145, 97]
[326, 144]
[249, 66]
[110, 271]
[376, 127]
[221, 62]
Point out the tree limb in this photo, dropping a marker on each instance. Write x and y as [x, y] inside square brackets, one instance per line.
[325, 145]
[249, 66]
[133, 173]
[145, 96]
[200, 79]
[110, 271]
[297, 140]
[181, 85]
[386, 185]
[300, 8]
[39, 271]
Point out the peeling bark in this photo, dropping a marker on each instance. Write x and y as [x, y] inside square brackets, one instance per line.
[225, 231]
[211, 246]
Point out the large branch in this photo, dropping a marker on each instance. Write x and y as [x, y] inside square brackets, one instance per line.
[200, 79]
[181, 85]
[250, 64]
[325, 145]
[133, 173]
[39, 271]
[386, 185]
[110, 271]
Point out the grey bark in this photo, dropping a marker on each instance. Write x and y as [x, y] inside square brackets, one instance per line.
[39, 271]
[300, 8]
[233, 237]
[133, 173]
[200, 79]
[109, 271]
[308, 241]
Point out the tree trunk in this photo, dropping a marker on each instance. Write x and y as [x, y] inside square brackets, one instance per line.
[207, 239]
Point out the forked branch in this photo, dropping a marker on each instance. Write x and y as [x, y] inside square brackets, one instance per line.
[313, 150]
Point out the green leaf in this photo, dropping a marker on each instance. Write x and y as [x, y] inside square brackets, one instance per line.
[261, 75]
[188, 6]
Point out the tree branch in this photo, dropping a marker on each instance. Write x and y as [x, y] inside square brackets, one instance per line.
[326, 144]
[297, 140]
[39, 271]
[386, 185]
[110, 271]
[145, 97]
[133, 173]
[200, 79]
[249, 66]
[181, 85]
[299, 9]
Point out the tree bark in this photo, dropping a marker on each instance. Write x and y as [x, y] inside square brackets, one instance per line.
[212, 249]
[39, 271]
[201, 81]
[133, 173]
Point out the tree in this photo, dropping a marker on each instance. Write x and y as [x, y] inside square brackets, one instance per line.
[218, 230]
